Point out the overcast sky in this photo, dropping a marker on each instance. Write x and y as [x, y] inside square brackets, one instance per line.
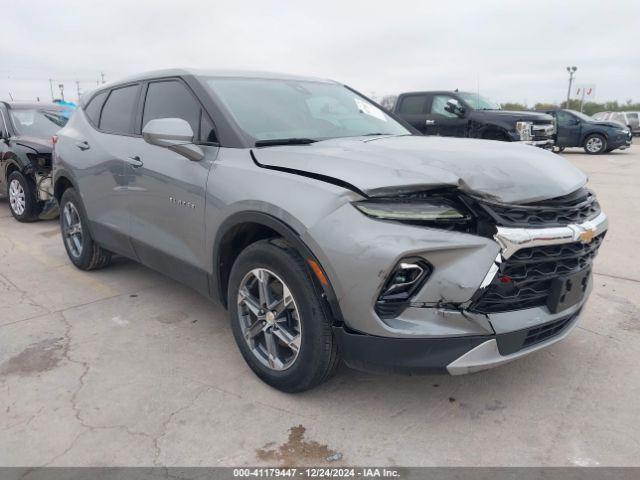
[514, 50]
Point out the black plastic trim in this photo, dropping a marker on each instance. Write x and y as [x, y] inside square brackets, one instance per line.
[408, 356]
[216, 283]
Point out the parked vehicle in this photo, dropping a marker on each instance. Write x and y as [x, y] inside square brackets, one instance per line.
[630, 119]
[327, 227]
[25, 157]
[465, 114]
[576, 129]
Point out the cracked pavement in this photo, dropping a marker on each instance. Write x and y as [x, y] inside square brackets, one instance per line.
[124, 367]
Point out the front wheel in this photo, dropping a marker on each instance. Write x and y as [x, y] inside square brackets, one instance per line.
[278, 320]
[82, 250]
[595, 144]
[23, 197]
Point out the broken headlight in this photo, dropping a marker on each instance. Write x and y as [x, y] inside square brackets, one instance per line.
[435, 211]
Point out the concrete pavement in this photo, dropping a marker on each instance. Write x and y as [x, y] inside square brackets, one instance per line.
[125, 367]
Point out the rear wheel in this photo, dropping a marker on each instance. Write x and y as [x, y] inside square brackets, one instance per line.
[23, 197]
[595, 144]
[83, 252]
[277, 318]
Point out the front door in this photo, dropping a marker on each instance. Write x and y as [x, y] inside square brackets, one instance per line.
[568, 129]
[166, 192]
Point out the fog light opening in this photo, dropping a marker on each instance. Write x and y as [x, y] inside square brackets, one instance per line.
[405, 279]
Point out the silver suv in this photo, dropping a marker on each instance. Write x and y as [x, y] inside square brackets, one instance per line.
[327, 227]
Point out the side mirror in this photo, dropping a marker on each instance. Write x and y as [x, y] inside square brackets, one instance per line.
[175, 134]
[455, 107]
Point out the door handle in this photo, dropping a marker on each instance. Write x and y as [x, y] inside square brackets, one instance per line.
[430, 122]
[84, 145]
[135, 161]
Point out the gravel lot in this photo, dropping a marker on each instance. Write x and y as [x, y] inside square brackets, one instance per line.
[126, 367]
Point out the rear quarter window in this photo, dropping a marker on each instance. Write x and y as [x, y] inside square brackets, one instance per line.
[92, 110]
[412, 104]
[118, 111]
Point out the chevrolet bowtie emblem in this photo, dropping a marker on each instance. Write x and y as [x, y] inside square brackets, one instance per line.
[587, 235]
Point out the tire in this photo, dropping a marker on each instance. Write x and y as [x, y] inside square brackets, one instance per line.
[82, 250]
[558, 149]
[289, 370]
[23, 198]
[595, 144]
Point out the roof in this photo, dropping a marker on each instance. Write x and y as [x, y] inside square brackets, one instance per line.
[437, 92]
[174, 72]
[181, 72]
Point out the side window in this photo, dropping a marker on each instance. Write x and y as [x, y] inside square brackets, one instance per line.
[117, 113]
[618, 117]
[438, 104]
[565, 119]
[171, 99]
[92, 110]
[412, 104]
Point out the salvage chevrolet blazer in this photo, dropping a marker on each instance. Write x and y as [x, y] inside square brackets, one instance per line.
[328, 228]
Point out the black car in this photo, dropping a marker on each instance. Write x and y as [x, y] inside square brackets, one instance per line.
[465, 114]
[26, 132]
[575, 129]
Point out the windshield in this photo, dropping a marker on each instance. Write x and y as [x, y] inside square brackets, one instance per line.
[477, 102]
[38, 123]
[581, 116]
[269, 109]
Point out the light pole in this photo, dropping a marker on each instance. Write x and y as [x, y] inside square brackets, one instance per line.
[572, 71]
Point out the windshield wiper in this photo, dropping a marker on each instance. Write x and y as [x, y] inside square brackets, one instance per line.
[284, 141]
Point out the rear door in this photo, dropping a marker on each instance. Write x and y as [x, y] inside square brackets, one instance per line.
[100, 142]
[413, 109]
[444, 123]
[166, 191]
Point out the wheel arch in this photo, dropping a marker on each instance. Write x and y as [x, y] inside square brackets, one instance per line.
[62, 182]
[491, 131]
[244, 228]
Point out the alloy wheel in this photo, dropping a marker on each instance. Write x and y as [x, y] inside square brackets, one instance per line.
[17, 197]
[72, 229]
[594, 144]
[269, 319]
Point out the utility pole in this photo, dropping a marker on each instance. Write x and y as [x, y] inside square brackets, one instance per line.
[572, 71]
[102, 76]
[51, 88]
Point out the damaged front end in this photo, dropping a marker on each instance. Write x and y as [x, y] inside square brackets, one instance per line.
[40, 170]
[451, 264]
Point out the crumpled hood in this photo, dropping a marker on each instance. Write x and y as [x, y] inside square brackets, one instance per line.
[37, 144]
[381, 166]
